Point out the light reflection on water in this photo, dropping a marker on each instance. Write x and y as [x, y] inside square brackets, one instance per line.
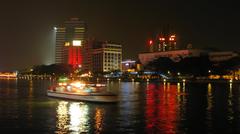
[151, 107]
[72, 117]
[161, 108]
[99, 120]
[62, 117]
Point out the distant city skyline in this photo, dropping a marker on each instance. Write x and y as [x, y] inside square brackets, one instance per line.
[27, 26]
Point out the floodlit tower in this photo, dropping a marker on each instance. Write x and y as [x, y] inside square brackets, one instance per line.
[69, 38]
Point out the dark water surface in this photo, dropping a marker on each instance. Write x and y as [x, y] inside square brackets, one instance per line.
[143, 108]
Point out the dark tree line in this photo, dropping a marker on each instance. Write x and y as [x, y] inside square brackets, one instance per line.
[53, 69]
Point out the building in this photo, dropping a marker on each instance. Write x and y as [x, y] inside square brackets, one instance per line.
[128, 65]
[167, 42]
[87, 55]
[102, 56]
[70, 38]
[175, 55]
[222, 56]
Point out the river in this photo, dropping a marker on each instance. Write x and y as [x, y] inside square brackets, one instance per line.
[166, 108]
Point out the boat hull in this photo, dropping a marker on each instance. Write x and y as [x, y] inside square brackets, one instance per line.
[90, 98]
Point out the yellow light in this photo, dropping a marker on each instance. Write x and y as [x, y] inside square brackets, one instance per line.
[62, 117]
[78, 84]
[78, 117]
[99, 119]
[67, 44]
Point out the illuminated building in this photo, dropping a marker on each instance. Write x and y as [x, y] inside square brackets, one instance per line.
[163, 42]
[128, 65]
[69, 38]
[73, 51]
[167, 43]
[87, 54]
[103, 57]
[175, 55]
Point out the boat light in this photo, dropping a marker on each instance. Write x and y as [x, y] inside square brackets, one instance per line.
[78, 84]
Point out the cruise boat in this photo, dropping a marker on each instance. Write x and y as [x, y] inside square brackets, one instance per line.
[80, 91]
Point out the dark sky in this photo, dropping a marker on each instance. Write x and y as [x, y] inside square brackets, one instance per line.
[26, 36]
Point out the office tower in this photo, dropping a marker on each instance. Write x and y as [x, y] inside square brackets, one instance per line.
[70, 38]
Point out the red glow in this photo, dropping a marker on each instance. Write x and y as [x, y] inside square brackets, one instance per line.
[150, 42]
[74, 56]
[161, 108]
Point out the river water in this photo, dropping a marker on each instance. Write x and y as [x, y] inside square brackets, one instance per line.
[143, 108]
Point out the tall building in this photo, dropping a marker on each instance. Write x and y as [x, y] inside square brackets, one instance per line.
[102, 56]
[165, 40]
[70, 38]
[167, 43]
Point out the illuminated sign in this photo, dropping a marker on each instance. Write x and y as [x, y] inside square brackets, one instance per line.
[67, 44]
[77, 43]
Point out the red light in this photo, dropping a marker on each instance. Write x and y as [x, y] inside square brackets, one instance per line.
[150, 42]
[75, 56]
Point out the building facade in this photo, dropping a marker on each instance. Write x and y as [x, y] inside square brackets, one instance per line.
[70, 38]
[106, 57]
[102, 56]
[175, 55]
[222, 56]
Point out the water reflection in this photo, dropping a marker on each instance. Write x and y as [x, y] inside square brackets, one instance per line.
[30, 94]
[78, 117]
[161, 108]
[62, 117]
[73, 117]
[99, 120]
[209, 96]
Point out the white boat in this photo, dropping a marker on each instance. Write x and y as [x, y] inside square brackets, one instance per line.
[87, 97]
[82, 92]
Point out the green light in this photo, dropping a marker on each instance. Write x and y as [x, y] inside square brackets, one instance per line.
[63, 79]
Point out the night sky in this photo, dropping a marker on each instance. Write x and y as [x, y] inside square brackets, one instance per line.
[27, 37]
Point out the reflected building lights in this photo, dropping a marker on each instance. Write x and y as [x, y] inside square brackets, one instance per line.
[184, 87]
[161, 104]
[30, 89]
[209, 96]
[230, 90]
[178, 87]
[62, 117]
[178, 92]
[72, 117]
[210, 104]
[230, 103]
[78, 117]
[99, 120]
[209, 89]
